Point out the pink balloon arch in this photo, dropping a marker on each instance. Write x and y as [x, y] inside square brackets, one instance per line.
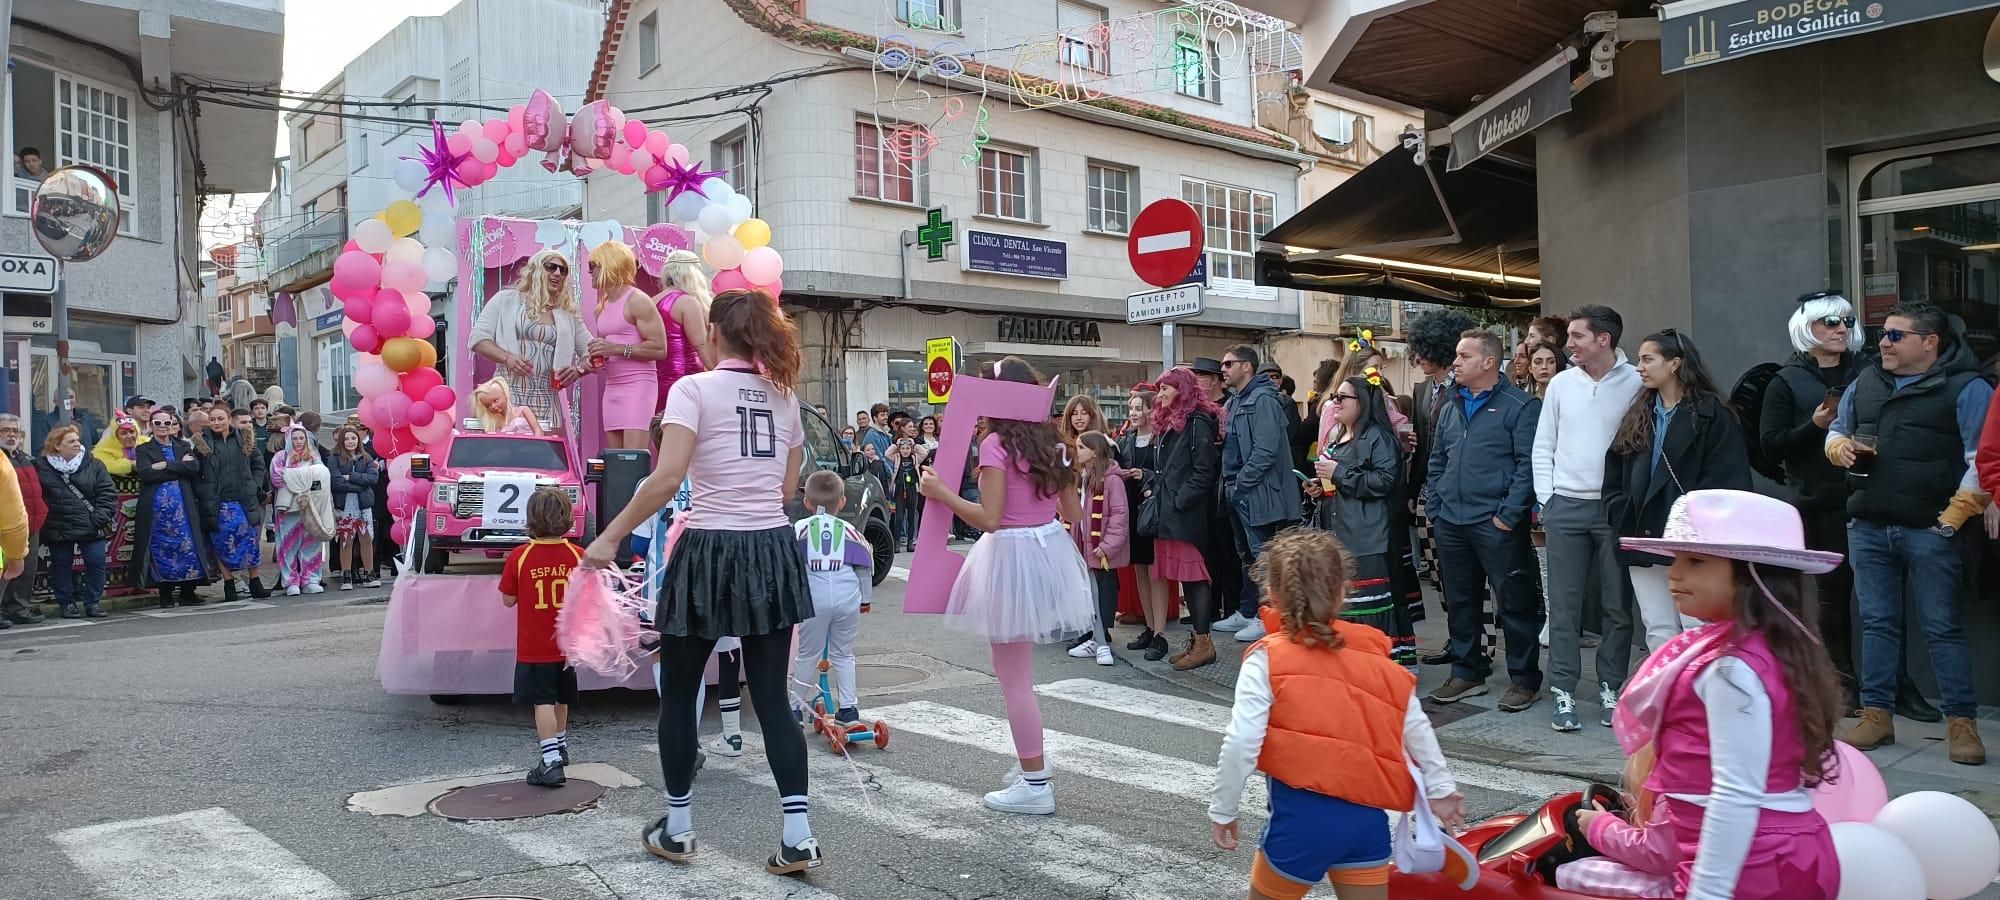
[381, 274]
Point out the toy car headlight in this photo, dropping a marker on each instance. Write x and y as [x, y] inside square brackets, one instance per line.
[445, 495]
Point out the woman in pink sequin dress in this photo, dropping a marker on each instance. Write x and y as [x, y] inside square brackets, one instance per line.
[683, 307]
[629, 340]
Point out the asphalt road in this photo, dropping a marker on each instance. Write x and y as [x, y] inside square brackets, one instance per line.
[219, 755]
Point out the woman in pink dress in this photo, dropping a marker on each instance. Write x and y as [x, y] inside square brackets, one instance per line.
[683, 310]
[629, 340]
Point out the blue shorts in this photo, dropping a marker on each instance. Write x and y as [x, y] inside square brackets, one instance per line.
[1310, 835]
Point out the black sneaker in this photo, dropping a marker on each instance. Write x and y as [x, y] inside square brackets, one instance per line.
[1079, 641]
[564, 751]
[789, 860]
[1144, 640]
[545, 775]
[71, 612]
[1158, 649]
[6, 624]
[673, 848]
[26, 618]
[847, 715]
[96, 612]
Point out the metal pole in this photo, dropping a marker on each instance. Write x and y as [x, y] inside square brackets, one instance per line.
[1169, 354]
[59, 314]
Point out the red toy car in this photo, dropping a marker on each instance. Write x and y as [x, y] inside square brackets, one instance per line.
[1517, 855]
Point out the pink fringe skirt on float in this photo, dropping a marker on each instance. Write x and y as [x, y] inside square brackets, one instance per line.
[1023, 584]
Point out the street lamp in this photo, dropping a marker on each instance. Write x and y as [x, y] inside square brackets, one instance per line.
[75, 217]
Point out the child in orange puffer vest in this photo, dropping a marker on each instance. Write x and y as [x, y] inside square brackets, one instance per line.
[1323, 711]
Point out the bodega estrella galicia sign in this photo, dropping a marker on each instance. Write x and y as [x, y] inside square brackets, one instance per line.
[21, 273]
[1697, 34]
[1039, 330]
[1515, 110]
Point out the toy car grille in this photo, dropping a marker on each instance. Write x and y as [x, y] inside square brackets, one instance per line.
[470, 496]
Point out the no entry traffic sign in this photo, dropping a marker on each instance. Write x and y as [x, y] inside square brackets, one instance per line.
[1166, 241]
[940, 368]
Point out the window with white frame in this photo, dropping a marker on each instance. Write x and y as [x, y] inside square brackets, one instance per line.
[1197, 68]
[879, 173]
[319, 134]
[222, 305]
[1234, 218]
[1085, 39]
[258, 355]
[1341, 127]
[1005, 178]
[731, 156]
[941, 15]
[1107, 196]
[415, 115]
[649, 42]
[336, 374]
[360, 152]
[66, 119]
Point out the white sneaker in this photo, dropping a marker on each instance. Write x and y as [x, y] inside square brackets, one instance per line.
[1024, 798]
[1085, 650]
[1251, 632]
[315, 588]
[730, 745]
[1104, 657]
[292, 591]
[346, 585]
[1235, 622]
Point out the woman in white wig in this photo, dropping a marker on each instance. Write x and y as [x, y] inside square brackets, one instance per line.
[533, 333]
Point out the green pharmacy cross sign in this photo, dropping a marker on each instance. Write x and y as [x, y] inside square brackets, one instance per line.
[936, 234]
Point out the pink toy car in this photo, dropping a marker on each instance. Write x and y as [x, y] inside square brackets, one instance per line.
[449, 519]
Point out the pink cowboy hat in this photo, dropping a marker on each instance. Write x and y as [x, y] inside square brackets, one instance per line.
[1737, 525]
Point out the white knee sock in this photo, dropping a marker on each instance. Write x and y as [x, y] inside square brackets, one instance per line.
[732, 715]
[680, 813]
[796, 829]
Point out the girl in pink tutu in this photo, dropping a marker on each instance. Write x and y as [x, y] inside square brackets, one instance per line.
[630, 339]
[1024, 583]
[1738, 714]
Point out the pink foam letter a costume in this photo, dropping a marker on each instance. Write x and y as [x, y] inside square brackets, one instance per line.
[936, 567]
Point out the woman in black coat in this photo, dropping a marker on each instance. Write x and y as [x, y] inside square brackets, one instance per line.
[82, 505]
[1678, 436]
[233, 476]
[169, 544]
[1190, 461]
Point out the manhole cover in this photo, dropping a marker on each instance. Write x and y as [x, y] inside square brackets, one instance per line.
[515, 800]
[883, 675]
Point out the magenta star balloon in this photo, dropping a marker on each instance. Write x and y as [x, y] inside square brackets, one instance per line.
[682, 177]
[440, 164]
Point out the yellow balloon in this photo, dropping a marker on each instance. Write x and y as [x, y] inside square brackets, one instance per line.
[403, 217]
[427, 355]
[403, 354]
[753, 233]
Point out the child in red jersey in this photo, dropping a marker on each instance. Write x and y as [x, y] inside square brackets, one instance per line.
[532, 581]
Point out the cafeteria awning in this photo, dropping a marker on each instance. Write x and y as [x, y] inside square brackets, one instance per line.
[1403, 231]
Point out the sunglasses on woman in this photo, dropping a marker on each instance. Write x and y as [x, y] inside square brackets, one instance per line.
[163, 423]
[1836, 321]
[555, 268]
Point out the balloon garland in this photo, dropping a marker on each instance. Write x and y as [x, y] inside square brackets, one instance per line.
[381, 274]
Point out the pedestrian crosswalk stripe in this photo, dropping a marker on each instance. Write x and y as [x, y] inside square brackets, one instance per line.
[1215, 717]
[1068, 753]
[1085, 859]
[610, 845]
[899, 573]
[206, 854]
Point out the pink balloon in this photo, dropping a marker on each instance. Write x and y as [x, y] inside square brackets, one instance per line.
[458, 144]
[348, 325]
[399, 468]
[403, 277]
[422, 327]
[517, 118]
[762, 265]
[365, 339]
[635, 134]
[542, 122]
[678, 153]
[517, 145]
[504, 159]
[619, 154]
[419, 304]
[496, 130]
[657, 144]
[393, 408]
[352, 246]
[469, 169]
[441, 396]
[365, 411]
[355, 269]
[729, 280]
[421, 413]
[656, 178]
[592, 130]
[440, 428]
[399, 531]
[392, 318]
[775, 288]
[360, 309]
[485, 150]
[1858, 795]
[470, 128]
[419, 382]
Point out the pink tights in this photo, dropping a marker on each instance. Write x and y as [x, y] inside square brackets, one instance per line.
[1014, 665]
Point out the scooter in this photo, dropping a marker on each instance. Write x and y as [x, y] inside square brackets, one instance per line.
[841, 735]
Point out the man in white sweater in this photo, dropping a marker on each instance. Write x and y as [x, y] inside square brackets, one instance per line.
[1580, 414]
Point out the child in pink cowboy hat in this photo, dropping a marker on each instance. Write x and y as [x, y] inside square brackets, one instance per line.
[1737, 714]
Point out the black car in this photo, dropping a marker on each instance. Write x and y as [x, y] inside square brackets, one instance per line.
[867, 503]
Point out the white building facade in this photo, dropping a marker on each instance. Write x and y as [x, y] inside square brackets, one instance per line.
[1041, 165]
[95, 83]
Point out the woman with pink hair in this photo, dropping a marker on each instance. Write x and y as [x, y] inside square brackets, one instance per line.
[1186, 424]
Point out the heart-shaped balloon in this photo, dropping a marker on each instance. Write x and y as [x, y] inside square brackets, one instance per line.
[543, 123]
[593, 130]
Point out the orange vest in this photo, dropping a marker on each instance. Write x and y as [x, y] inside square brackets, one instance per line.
[1336, 725]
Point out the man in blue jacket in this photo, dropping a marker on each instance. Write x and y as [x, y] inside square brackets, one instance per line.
[1257, 479]
[1480, 489]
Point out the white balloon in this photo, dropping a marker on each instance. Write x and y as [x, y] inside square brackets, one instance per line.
[405, 250]
[1875, 865]
[439, 264]
[374, 236]
[715, 218]
[1954, 842]
[686, 206]
[436, 203]
[717, 190]
[409, 175]
[739, 208]
[438, 231]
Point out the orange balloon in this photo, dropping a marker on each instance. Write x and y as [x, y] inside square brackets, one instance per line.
[403, 354]
[429, 353]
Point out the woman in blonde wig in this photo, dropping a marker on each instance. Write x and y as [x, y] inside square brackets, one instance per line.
[683, 309]
[533, 333]
[629, 340]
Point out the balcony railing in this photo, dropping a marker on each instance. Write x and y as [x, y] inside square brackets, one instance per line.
[285, 252]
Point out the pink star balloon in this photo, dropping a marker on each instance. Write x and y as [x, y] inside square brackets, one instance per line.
[440, 164]
[682, 177]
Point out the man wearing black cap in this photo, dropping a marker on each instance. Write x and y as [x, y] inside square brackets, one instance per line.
[1218, 553]
[139, 408]
[1286, 389]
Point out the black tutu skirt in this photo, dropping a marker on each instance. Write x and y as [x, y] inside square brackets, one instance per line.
[1372, 600]
[733, 584]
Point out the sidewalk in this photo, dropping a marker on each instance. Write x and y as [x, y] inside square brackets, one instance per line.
[1475, 729]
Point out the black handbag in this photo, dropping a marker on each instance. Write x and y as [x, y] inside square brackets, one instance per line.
[1147, 522]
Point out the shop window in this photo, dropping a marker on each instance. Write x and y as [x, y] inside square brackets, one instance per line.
[1968, 167]
[731, 156]
[1234, 217]
[880, 172]
[1004, 179]
[1197, 68]
[336, 374]
[66, 119]
[649, 43]
[940, 15]
[1085, 39]
[908, 389]
[1108, 197]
